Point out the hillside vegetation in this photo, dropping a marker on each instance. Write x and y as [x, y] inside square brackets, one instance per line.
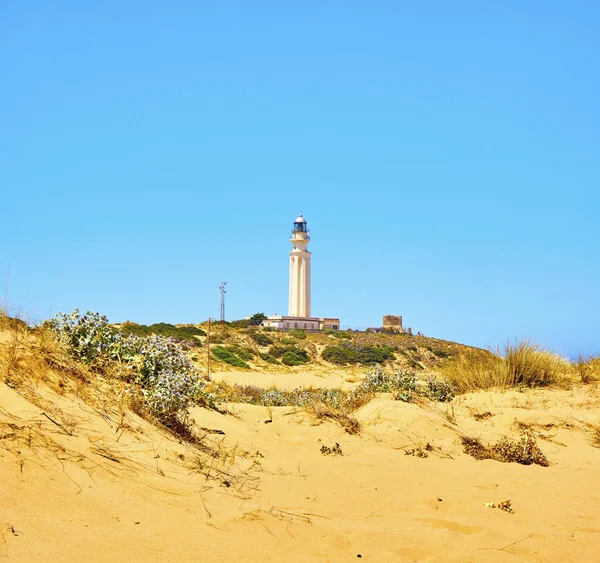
[261, 349]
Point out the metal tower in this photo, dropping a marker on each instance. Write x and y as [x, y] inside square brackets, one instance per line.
[223, 292]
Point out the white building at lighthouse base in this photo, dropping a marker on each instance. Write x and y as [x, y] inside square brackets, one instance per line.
[283, 322]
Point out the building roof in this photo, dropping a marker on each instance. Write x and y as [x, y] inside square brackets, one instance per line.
[300, 219]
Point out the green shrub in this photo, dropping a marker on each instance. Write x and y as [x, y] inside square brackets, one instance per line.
[241, 352]
[338, 333]
[265, 356]
[228, 357]
[289, 355]
[297, 333]
[349, 353]
[183, 334]
[288, 341]
[260, 338]
[242, 323]
[339, 355]
[295, 358]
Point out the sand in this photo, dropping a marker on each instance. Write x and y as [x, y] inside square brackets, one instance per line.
[82, 482]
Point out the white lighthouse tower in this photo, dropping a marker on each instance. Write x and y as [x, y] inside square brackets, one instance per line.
[299, 312]
[300, 270]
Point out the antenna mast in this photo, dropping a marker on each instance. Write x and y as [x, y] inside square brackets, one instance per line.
[223, 292]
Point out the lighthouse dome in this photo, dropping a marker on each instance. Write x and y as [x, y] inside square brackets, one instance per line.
[300, 225]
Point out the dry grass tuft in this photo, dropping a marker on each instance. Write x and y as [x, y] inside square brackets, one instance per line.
[325, 412]
[475, 369]
[596, 437]
[587, 369]
[527, 364]
[520, 363]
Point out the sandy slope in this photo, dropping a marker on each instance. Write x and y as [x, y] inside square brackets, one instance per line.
[108, 486]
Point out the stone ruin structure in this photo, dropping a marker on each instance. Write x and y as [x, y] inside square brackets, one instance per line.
[392, 323]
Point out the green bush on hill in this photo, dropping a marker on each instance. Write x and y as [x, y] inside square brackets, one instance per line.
[289, 355]
[260, 338]
[267, 358]
[348, 353]
[182, 334]
[293, 358]
[225, 355]
[241, 352]
[297, 333]
[338, 333]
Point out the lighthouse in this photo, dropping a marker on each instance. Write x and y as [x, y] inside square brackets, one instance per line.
[299, 299]
[300, 270]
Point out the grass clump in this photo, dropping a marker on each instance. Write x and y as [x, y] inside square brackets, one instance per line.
[520, 363]
[587, 369]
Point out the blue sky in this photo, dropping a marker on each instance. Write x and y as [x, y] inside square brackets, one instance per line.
[445, 155]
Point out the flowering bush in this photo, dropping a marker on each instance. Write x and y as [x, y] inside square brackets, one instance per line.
[169, 380]
[88, 338]
[404, 385]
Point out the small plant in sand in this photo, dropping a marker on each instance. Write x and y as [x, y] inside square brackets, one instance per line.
[525, 451]
[334, 450]
[420, 451]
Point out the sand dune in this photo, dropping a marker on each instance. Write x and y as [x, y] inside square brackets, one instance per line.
[87, 481]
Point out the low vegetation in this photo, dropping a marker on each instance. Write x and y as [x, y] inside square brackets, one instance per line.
[519, 364]
[525, 451]
[169, 382]
[289, 354]
[229, 356]
[337, 404]
[351, 353]
[184, 334]
[338, 334]
[261, 338]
